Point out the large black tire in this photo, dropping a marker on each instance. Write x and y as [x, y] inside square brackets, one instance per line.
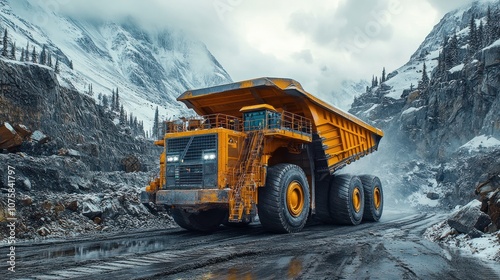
[206, 221]
[323, 202]
[284, 202]
[346, 200]
[374, 198]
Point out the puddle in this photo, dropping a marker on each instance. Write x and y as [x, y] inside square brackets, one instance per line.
[89, 250]
[280, 268]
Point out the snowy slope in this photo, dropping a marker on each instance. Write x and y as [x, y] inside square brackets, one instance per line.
[455, 22]
[149, 68]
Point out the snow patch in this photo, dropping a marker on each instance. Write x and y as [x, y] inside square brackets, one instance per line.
[372, 108]
[457, 68]
[480, 142]
[411, 110]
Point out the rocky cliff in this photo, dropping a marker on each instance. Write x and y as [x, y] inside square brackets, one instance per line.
[70, 174]
[30, 95]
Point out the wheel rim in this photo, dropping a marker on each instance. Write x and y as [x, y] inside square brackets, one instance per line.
[295, 199]
[377, 197]
[356, 200]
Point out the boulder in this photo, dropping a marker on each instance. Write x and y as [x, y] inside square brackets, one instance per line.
[26, 201]
[432, 195]
[39, 137]
[43, 231]
[22, 130]
[469, 219]
[9, 138]
[131, 164]
[90, 210]
[491, 56]
[72, 205]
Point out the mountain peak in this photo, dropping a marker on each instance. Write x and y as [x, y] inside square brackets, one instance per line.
[149, 67]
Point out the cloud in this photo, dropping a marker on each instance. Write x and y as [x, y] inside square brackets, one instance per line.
[304, 55]
[318, 43]
[446, 6]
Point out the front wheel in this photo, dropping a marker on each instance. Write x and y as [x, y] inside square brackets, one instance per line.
[284, 201]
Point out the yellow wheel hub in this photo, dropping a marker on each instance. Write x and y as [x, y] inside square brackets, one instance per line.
[377, 197]
[356, 200]
[295, 199]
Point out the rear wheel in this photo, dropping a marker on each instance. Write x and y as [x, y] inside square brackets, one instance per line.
[346, 200]
[284, 202]
[374, 198]
[208, 220]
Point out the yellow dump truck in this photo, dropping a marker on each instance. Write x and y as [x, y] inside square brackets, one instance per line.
[264, 147]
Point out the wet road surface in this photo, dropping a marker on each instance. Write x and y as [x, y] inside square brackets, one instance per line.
[390, 249]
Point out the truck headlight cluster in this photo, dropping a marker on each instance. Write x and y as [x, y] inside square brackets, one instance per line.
[209, 156]
[172, 158]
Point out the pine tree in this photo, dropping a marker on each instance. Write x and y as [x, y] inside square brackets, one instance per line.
[71, 64]
[99, 98]
[27, 54]
[122, 115]
[383, 75]
[424, 82]
[480, 36]
[156, 125]
[489, 28]
[113, 100]
[376, 81]
[105, 101]
[43, 56]
[131, 120]
[13, 51]
[117, 96]
[22, 55]
[56, 67]
[5, 53]
[49, 60]
[472, 37]
[452, 53]
[34, 55]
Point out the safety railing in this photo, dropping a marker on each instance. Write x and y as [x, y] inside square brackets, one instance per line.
[204, 122]
[260, 120]
[270, 120]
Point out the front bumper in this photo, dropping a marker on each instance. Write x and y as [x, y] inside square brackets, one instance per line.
[196, 197]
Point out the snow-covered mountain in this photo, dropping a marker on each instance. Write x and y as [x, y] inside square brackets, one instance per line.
[345, 94]
[455, 22]
[148, 67]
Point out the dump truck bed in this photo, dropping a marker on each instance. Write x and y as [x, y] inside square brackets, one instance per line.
[339, 138]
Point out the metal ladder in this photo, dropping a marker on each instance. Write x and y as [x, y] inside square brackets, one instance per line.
[241, 196]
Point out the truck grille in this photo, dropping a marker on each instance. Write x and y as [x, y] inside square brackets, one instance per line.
[191, 171]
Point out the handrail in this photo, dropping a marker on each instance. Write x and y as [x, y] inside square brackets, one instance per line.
[276, 121]
[204, 122]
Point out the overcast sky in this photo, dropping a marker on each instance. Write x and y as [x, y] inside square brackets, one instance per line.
[319, 43]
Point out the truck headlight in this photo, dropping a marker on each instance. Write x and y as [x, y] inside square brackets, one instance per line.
[172, 158]
[209, 155]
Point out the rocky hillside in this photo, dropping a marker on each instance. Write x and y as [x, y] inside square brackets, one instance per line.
[70, 171]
